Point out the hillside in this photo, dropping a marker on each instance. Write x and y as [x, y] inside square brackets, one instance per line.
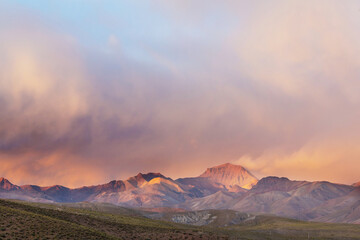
[24, 220]
[301, 200]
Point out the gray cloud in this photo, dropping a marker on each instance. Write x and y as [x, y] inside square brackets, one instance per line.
[274, 90]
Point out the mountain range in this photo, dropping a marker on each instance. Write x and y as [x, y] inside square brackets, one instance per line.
[226, 186]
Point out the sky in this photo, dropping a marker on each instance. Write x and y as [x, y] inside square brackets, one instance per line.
[92, 91]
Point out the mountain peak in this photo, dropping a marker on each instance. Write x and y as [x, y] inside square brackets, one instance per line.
[226, 164]
[357, 184]
[6, 184]
[57, 187]
[149, 176]
[276, 184]
[142, 178]
[230, 175]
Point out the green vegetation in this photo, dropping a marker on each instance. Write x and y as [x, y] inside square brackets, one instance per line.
[272, 227]
[19, 224]
[23, 220]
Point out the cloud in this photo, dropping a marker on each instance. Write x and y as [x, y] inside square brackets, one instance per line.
[316, 161]
[113, 40]
[42, 96]
[41, 84]
[274, 90]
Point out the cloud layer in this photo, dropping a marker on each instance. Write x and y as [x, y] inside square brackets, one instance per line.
[177, 87]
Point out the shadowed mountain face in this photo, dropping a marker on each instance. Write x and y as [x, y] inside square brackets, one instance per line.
[220, 187]
[345, 209]
[276, 184]
[218, 200]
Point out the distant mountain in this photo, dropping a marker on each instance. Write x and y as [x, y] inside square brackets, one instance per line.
[276, 184]
[142, 190]
[345, 209]
[218, 200]
[7, 185]
[11, 191]
[356, 184]
[200, 187]
[145, 191]
[231, 176]
[317, 201]
[225, 186]
[225, 177]
[296, 199]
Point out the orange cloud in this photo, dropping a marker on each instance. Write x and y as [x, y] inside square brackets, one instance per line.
[321, 160]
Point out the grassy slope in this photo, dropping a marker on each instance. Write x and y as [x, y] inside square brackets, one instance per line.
[25, 221]
[20, 224]
[98, 221]
[272, 227]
